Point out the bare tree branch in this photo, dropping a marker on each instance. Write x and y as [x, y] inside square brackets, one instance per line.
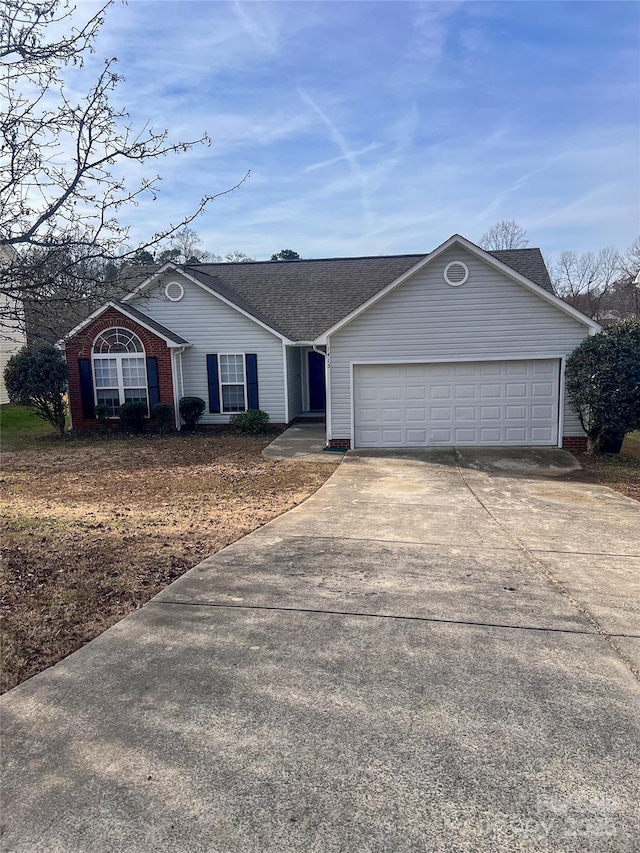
[506, 234]
[587, 281]
[59, 197]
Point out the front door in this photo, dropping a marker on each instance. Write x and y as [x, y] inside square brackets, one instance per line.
[316, 382]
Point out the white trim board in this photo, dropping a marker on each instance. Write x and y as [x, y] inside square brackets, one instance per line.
[457, 240]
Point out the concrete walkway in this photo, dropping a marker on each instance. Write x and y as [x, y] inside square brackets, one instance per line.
[304, 443]
[433, 653]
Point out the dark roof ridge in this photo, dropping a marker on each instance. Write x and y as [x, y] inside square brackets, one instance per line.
[339, 258]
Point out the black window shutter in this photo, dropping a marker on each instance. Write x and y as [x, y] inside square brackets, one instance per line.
[251, 360]
[212, 379]
[153, 381]
[86, 389]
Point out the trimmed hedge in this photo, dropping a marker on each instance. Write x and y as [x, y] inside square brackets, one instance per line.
[252, 422]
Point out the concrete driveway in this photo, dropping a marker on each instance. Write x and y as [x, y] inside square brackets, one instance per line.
[434, 653]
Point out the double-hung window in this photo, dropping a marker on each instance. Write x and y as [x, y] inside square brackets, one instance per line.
[233, 390]
[119, 369]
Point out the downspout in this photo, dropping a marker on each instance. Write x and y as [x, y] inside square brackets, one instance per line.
[177, 351]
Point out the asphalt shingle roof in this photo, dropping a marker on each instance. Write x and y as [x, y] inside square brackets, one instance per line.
[301, 299]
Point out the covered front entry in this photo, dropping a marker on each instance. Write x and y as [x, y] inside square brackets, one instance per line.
[489, 403]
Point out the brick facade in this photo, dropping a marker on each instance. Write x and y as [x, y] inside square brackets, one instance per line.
[342, 443]
[569, 442]
[79, 346]
[574, 442]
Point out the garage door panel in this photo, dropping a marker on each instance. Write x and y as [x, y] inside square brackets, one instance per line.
[441, 436]
[441, 413]
[475, 403]
[490, 435]
[416, 392]
[516, 435]
[515, 413]
[541, 389]
[440, 392]
[516, 389]
[490, 413]
[539, 413]
[416, 414]
[542, 435]
[465, 413]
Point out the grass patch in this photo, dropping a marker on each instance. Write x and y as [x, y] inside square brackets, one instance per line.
[91, 530]
[19, 427]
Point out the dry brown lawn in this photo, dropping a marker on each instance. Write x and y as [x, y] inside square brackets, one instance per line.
[91, 530]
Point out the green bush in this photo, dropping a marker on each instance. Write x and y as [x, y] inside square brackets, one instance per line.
[38, 379]
[191, 410]
[133, 416]
[603, 383]
[103, 415]
[162, 412]
[253, 422]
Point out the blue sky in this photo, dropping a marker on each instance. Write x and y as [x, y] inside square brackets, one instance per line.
[375, 127]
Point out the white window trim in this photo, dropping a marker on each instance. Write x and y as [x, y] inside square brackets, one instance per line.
[119, 356]
[241, 355]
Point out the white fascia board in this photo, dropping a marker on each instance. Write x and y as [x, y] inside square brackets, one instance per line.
[170, 344]
[210, 290]
[458, 240]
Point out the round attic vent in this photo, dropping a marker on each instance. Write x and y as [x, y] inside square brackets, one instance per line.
[174, 291]
[456, 273]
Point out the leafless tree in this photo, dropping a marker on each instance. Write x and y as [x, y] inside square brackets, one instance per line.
[586, 281]
[60, 198]
[624, 301]
[235, 256]
[630, 261]
[184, 248]
[506, 234]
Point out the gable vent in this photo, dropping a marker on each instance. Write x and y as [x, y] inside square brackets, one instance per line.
[456, 273]
[174, 291]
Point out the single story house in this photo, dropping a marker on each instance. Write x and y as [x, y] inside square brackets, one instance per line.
[456, 347]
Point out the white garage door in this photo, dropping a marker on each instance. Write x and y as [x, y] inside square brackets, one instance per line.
[487, 403]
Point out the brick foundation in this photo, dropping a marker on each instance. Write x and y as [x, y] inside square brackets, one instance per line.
[574, 442]
[79, 346]
[342, 443]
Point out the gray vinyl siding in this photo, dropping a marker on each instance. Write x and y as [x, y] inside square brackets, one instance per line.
[211, 326]
[490, 316]
[294, 381]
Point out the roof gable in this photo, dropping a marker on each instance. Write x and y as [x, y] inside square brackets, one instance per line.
[171, 338]
[301, 300]
[489, 258]
[211, 283]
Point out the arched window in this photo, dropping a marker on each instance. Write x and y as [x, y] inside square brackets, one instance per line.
[119, 369]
